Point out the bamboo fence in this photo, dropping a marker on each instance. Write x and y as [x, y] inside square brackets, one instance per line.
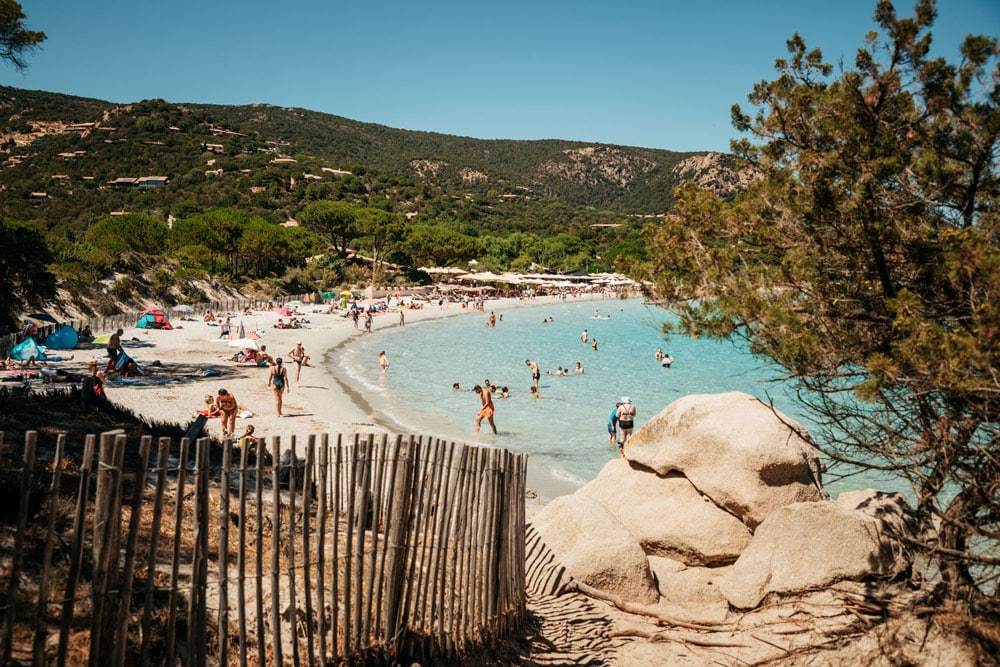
[363, 548]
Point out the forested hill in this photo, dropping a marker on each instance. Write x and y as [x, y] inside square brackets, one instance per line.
[147, 201]
[40, 129]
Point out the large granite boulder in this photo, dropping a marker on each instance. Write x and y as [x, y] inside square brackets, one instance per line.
[667, 515]
[734, 449]
[810, 545]
[595, 548]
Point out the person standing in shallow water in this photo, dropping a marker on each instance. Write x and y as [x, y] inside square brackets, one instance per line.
[626, 419]
[383, 361]
[535, 375]
[486, 412]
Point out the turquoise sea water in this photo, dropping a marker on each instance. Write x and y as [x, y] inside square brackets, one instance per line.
[564, 431]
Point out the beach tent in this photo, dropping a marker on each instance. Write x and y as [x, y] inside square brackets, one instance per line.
[154, 318]
[65, 338]
[103, 339]
[26, 350]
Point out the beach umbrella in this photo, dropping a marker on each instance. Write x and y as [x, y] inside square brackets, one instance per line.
[42, 317]
[183, 309]
[243, 343]
[347, 292]
[242, 332]
[329, 295]
[294, 304]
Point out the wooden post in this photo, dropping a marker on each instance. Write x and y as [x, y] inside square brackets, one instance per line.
[348, 547]
[292, 604]
[306, 560]
[27, 472]
[364, 491]
[225, 479]
[259, 552]
[321, 527]
[125, 606]
[396, 546]
[107, 529]
[241, 556]
[335, 557]
[276, 555]
[42, 622]
[76, 548]
[175, 558]
[198, 612]
[162, 460]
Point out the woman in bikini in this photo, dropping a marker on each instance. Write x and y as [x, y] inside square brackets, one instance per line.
[227, 403]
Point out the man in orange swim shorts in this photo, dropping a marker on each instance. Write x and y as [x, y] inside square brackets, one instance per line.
[486, 412]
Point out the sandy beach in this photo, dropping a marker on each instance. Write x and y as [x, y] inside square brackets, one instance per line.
[173, 389]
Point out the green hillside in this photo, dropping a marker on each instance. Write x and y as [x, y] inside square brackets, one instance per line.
[69, 169]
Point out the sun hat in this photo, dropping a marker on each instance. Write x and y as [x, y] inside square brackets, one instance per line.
[626, 399]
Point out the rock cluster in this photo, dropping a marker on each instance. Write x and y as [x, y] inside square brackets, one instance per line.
[719, 503]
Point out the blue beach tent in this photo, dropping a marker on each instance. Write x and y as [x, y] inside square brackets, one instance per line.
[65, 338]
[26, 350]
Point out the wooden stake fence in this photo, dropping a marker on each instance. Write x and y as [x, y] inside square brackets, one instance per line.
[395, 548]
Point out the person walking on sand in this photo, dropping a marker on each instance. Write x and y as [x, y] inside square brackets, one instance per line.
[626, 418]
[299, 356]
[383, 361]
[535, 375]
[278, 381]
[485, 412]
[368, 322]
[402, 319]
[229, 407]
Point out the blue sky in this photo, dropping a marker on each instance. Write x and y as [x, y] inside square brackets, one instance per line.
[656, 74]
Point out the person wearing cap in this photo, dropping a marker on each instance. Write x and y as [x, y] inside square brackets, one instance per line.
[626, 417]
[299, 356]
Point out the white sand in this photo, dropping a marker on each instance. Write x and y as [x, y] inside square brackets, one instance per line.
[318, 404]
